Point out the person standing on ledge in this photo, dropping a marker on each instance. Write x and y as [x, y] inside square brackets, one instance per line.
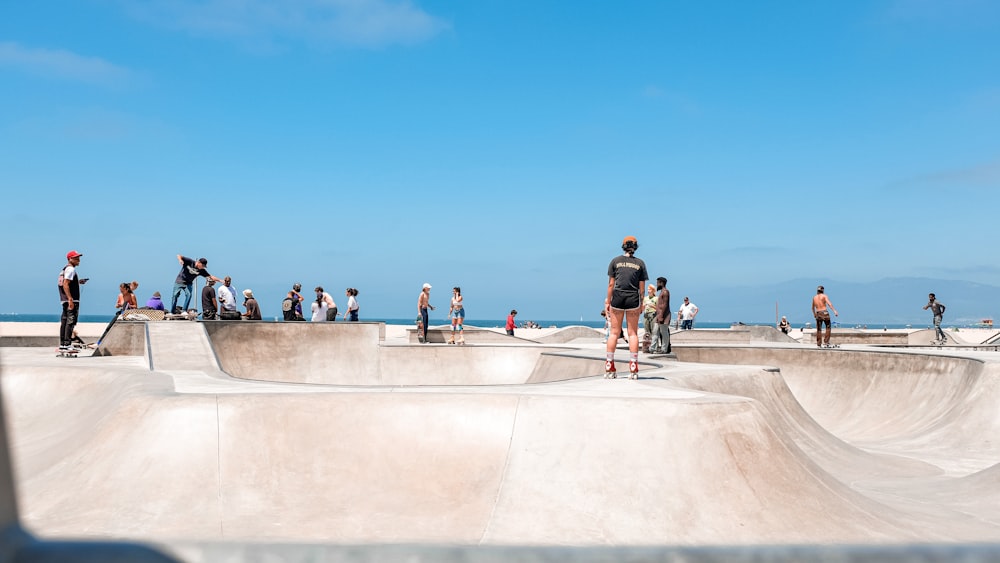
[661, 325]
[457, 314]
[687, 314]
[626, 279]
[820, 302]
[69, 296]
[937, 308]
[423, 304]
[190, 269]
[511, 324]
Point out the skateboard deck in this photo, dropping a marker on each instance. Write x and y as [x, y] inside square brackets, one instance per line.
[66, 353]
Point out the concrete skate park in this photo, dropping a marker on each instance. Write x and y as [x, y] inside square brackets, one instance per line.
[351, 442]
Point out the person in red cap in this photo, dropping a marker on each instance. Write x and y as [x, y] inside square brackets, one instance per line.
[626, 278]
[69, 295]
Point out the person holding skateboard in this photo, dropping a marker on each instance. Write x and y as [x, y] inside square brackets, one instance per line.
[69, 296]
[423, 304]
[626, 279]
[820, 303]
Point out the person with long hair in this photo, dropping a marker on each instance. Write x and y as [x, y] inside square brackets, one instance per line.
[126, 299]
[626, 279]
[457, 314]
[352, 305]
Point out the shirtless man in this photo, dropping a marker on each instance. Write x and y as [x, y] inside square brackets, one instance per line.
[820, 303]
[423, 304]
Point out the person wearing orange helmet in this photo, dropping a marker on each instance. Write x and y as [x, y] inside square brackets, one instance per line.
[627, 277]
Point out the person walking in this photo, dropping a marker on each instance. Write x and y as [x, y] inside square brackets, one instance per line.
[423, 304]
[661, 320]
[69, 297]
[820, 303]
[457, 314]
[937, 309]
[190, 269]
[352, 305]
[209, 305]
[626, 278]
[687, 313]
[252, 308]
[510, 322]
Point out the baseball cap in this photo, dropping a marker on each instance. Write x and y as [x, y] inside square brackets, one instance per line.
[629, 239]
[427, 286]
[72, 254]
[248, 293]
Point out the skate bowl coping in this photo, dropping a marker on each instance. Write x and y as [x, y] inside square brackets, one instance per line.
[747, 333]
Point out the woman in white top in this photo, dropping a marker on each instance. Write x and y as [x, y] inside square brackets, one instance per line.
[352, 305]
[319, 309]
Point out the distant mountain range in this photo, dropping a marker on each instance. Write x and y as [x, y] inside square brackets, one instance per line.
[887, 301]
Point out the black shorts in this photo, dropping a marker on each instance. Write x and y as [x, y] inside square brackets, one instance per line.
[626, 301]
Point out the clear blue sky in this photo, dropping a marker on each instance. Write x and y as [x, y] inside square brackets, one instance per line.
[504, 146]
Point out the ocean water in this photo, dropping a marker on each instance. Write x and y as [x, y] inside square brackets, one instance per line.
[485, 323]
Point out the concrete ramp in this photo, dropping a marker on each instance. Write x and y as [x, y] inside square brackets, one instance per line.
[582, 463]
[179, 345]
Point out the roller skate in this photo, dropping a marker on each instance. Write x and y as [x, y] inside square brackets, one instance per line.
[609, 370]
[633, 370]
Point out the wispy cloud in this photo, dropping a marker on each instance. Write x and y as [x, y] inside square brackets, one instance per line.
[358, 23]
[61, 64]
[977, 177]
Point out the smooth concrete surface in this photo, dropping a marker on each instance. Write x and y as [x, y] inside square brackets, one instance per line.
[756, 443]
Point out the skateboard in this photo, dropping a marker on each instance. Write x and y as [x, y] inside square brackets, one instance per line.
[831, 346]
[420, 330]
[67, 353]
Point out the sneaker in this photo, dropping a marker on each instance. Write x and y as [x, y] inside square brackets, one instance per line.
[609, 370]
[64, 348]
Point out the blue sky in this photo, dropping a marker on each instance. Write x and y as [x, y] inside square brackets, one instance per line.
[506, 147]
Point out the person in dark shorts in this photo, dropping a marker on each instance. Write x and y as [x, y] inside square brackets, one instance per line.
[626, 278]
[820, 303]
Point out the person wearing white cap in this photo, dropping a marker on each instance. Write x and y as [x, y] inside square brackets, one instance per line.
[69, 296]
[423, 304]
[253, 309]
